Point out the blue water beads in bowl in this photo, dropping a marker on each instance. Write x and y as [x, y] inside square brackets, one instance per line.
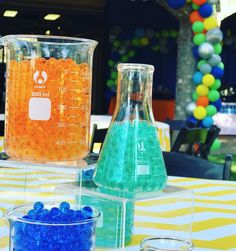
[52, 227]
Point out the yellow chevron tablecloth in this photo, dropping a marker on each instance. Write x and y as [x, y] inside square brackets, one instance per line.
[214, 226]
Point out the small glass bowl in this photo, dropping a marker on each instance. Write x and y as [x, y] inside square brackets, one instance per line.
[166, 243]
[26, 234]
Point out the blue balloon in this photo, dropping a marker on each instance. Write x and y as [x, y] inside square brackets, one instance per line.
[205, 10]
[192, 120]
[176, 4]
[197, 77]
[195, 52]
[154, 41]
[207, 122]
[217, 72]
[139, 32]
[217, 104]
[115, 56]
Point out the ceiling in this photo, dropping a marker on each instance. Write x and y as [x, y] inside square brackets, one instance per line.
[78, 17]
[90, 5]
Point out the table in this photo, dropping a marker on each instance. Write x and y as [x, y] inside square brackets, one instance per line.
[214, 227]
[225, 119]
[103, 121]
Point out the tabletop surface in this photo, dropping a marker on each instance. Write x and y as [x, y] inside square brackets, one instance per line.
[214, 226]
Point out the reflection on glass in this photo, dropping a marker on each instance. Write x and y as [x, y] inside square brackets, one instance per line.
[166, 243]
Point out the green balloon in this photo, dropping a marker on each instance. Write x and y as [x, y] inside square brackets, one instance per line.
[156, 48]
[135, 41]
[211, 110]
[165, 33]
[125, 58]
[200, 63]
[195, 6]
[221, 65]
[217, 48]
[198, 26]
[213, 95]
[111, 63]
[216, 85]
[174, 33]
[110, 83]
[114, 74]
[194, 96]
[199, 38]
[157, 34]
[116, 43]
[216, 145]
[131, 53]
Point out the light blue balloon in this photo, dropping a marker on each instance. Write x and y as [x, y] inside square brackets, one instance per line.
[205, 69]
[207, 122]
[197, 77]
[214, 60]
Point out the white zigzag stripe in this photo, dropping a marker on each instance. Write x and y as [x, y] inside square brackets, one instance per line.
[219, 205]
[136, 248]
[42, 181]
[160, 208]
[153, 231]
[20, 189]
[207, 235]
[4, 249]
[4, 232]
[198, 217]
[36, 175]
[173, 221]
[216, 233]
[222, 198]
[214, 189]
[197, 204]
[185, 219]
[194, 182]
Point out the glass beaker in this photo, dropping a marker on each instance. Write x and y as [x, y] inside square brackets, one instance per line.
[48, 97]
[27, 234]
[166, 243]
[131, 158]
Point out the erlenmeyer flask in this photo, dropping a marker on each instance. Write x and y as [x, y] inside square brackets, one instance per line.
[131, 159]
[48, 99]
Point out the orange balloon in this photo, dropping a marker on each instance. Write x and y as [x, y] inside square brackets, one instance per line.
[202, 101]
[195, 16]
[199, 2]
[204, 32]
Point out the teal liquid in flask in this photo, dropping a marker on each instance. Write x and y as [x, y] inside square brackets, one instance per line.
[131, 158]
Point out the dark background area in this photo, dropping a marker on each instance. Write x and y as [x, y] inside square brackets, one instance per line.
[106, 22]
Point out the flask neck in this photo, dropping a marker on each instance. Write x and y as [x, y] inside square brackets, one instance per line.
[134, 92]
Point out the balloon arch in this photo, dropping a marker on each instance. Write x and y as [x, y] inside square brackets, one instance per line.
[207, 40]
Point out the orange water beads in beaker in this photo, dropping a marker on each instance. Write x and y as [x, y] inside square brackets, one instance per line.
[48, 98]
